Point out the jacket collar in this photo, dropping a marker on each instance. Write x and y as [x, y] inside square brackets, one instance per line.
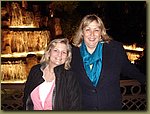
[59, 69]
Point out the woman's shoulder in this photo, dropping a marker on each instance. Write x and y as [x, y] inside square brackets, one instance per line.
[36, 67]
[114, 44]
[35, 71]
[75, 51]
[70, 75]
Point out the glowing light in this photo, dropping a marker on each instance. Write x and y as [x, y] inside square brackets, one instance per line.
[133, 47]
[132, 56]
[22, 54]
[23, 26]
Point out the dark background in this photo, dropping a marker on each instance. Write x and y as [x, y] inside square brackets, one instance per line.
[125, 20]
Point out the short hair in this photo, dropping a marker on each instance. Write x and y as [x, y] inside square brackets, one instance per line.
[46, 57]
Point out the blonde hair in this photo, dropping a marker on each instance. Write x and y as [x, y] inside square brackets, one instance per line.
[46, 57]
[78, 37]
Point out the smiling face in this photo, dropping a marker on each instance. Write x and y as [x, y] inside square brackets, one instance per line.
[91, 35]
[58, 54]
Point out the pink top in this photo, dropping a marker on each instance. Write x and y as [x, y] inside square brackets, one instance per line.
[41, 101]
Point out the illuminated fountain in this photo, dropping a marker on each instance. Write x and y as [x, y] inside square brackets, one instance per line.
[20, 18]
[12, 72]
[23, 40]
[133, 52]
[20, 43]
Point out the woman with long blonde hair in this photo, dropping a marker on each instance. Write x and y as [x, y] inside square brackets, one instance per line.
[51, 85]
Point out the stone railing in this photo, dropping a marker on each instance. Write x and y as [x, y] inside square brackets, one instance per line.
[11, 96]
[133, 96]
